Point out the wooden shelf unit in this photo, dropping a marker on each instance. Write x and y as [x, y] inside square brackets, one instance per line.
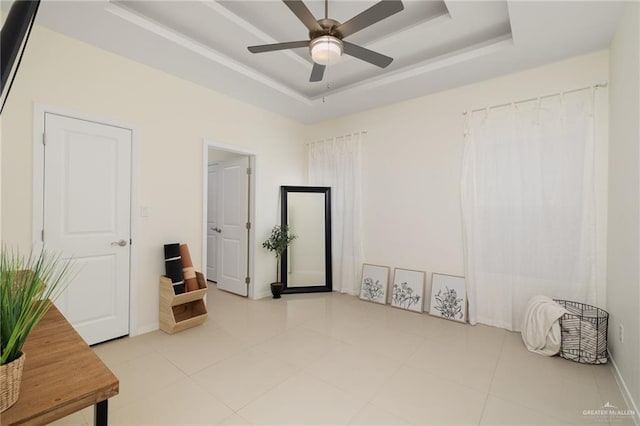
[181, 311]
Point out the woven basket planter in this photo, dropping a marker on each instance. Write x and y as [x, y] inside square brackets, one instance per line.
[10, 378]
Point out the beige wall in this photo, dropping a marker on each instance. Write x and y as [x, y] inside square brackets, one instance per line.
[172, 117]
[623, 278]
[412, 158]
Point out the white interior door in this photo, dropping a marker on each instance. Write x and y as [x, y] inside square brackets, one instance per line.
[212, 223]
[87, 189]
[233, 196]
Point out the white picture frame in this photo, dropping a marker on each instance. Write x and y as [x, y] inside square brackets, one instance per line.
[408, 289]
[448, 297]
[374, 283]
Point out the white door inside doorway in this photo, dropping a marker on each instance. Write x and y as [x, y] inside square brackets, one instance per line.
[87, 216]
[233, 222]
[212, 223]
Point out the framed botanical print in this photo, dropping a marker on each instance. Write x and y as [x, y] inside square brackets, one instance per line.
[408, 289]
[375, 280]
[448, 297]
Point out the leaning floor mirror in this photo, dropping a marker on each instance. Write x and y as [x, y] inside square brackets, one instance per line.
[306, 264]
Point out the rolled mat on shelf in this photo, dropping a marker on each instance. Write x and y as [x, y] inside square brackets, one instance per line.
[190, 281]
[173, 266]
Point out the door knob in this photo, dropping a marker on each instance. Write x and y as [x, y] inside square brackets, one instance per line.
[218, 230]
[120, 243]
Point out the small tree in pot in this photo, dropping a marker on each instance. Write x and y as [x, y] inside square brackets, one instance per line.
[278, 242]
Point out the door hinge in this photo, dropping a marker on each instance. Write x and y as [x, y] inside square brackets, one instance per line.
[130, 241]
[248, 170]
[247, 280]
[44, 139]
[248, 225]
[42, 235]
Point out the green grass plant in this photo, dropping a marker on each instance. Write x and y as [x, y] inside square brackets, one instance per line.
[28, 287]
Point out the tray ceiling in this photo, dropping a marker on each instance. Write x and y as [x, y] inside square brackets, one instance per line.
[436, 45]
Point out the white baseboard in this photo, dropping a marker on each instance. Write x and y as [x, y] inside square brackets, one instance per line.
[263, 294]
[146, 329]
[628, 398]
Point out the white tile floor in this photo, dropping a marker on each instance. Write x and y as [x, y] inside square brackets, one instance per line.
[334, 359]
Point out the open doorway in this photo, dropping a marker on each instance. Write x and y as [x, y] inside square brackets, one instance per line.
[228, 213]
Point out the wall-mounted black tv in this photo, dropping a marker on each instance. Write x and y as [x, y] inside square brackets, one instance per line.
[13, 40]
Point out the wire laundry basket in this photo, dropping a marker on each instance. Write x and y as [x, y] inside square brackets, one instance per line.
[584, 331]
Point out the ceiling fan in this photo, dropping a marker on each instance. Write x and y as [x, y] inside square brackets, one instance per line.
[326, 36]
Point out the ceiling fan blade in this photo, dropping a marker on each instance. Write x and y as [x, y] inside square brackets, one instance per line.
[366, 55]
[317, 72]
[278, 46]
[375, 13]
[302, 12]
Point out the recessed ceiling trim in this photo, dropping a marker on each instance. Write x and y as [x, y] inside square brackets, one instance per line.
[207, 52]
[393, 36]
[432, 64]
[250, 28]
[446, 4]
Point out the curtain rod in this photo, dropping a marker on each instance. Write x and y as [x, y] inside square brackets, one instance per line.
[362, 132]
[597, 86]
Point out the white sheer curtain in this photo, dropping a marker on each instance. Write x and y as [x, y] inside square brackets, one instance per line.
[528, 206]
[336, 163]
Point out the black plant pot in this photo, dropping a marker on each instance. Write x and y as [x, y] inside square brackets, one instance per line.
[276, 289]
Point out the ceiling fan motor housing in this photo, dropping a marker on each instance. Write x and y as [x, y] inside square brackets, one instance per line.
[329, 27]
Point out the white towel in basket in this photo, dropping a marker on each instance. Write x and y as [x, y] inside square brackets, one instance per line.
[540, 327]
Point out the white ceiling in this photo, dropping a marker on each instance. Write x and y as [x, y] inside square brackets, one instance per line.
[436, 45]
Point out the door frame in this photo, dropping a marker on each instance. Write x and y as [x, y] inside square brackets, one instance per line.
[206, 145]
[205, 259]
[39, 111]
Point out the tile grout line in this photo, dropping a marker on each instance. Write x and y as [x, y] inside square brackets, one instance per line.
[269, 389]
[493, 375]
[377, 392]
[548, 413]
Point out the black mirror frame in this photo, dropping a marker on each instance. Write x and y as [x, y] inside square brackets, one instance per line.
[328, 286]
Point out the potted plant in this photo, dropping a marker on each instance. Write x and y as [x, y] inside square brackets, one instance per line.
[28, 287]
[278, 242]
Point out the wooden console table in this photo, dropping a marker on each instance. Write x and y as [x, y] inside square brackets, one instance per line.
[61, 375]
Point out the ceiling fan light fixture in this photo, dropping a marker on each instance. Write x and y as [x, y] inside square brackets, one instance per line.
[325, 50]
